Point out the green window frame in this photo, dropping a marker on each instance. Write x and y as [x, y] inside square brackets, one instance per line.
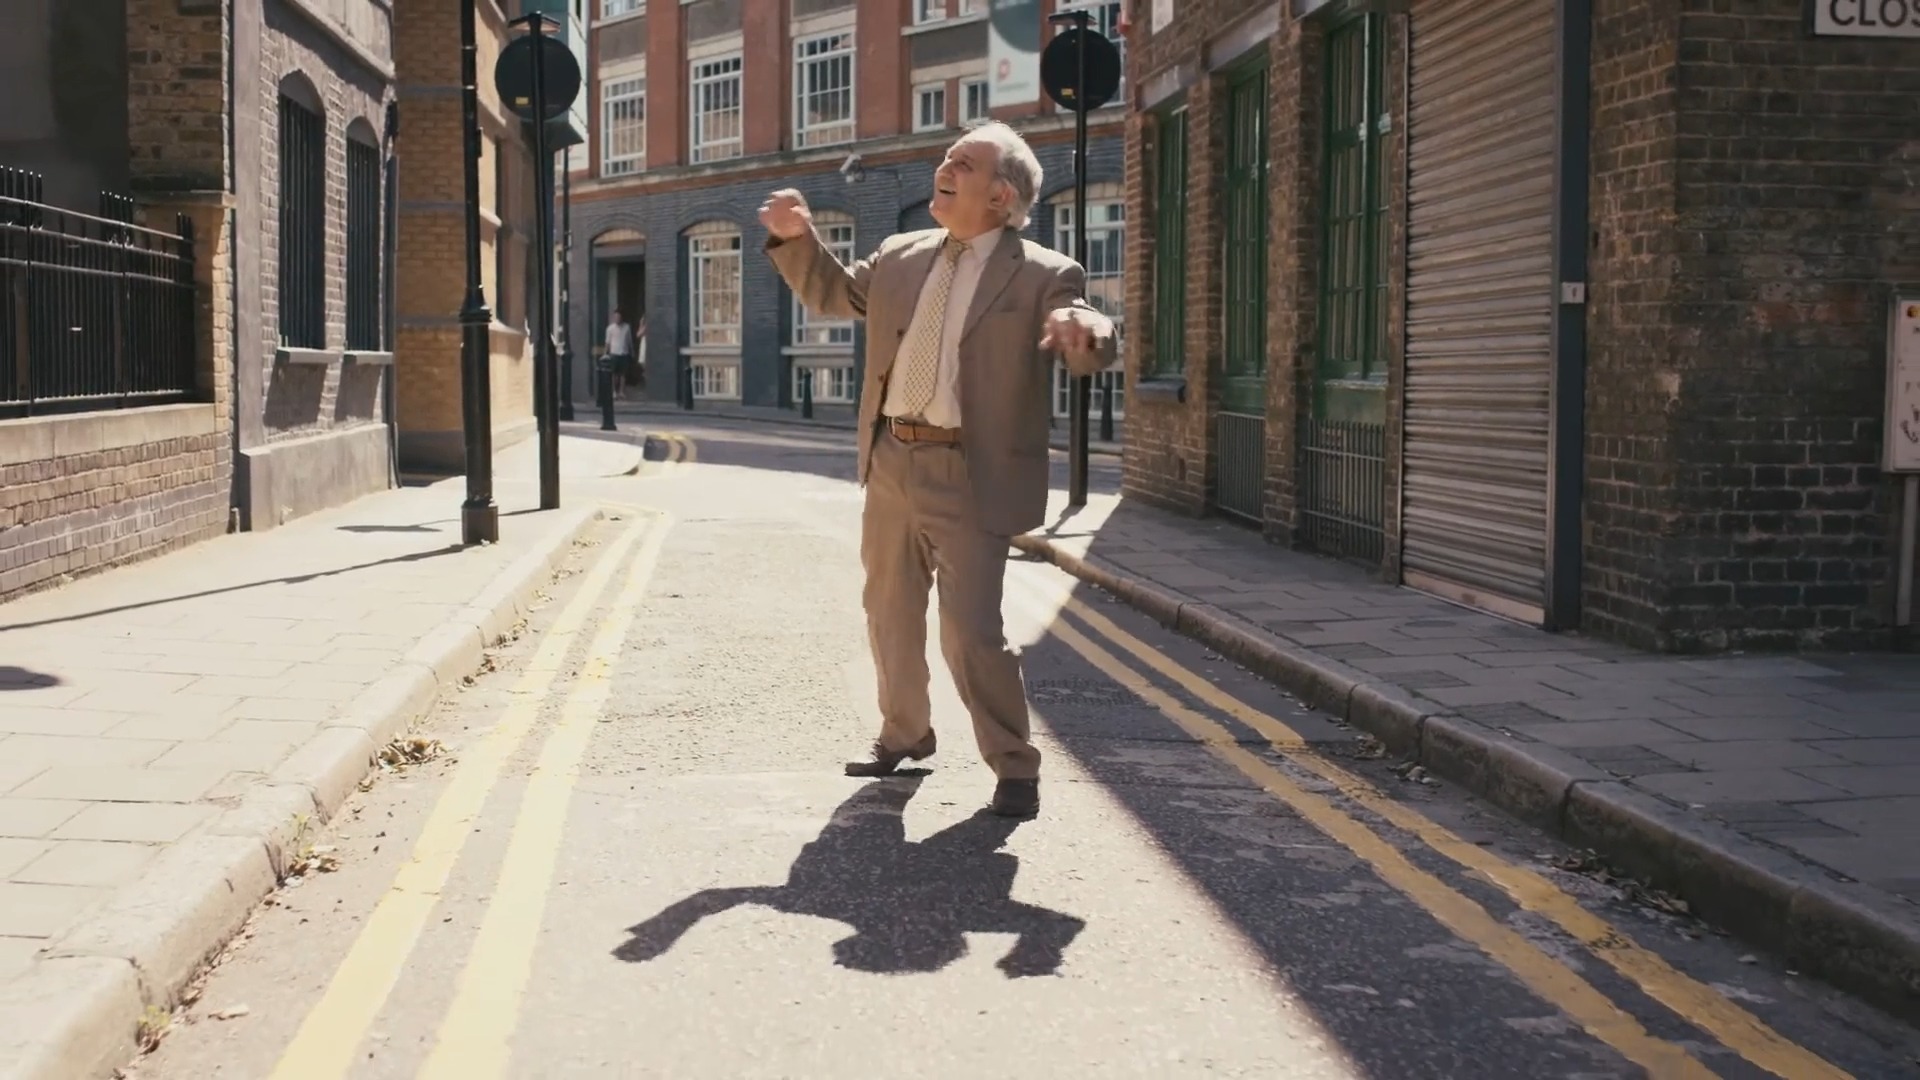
[1170, 243]
[1243, 292]
[1354, 315]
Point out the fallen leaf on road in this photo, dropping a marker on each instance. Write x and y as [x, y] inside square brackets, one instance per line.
[414, 750]
[1370, 748]
[231, 1012]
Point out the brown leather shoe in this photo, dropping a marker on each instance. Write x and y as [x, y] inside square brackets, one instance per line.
[1016, 798]
[885, 760]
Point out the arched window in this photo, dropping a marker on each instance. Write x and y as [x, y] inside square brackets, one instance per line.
[365, 234]
[302, 283]
[713, 308]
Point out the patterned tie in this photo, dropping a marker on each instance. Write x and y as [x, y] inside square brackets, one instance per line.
[920, 359]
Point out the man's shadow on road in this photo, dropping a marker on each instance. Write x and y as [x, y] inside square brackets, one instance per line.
[910, 904]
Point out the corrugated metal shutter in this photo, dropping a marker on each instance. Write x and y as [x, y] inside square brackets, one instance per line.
[1479, 301]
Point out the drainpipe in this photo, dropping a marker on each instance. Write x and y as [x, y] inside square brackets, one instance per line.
[392, 299]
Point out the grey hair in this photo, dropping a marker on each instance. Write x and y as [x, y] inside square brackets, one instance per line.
[1015, 164]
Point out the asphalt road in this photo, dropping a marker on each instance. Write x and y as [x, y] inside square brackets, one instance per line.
[636, 857]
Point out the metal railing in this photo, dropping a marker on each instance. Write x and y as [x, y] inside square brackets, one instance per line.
[1240, 484]
[95, 311]
[1343, 489]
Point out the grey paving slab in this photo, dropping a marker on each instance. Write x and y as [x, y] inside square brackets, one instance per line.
[44, 910]
[86, 862]
[1872, 751]
[133, 823]
[1867, 780]
[1746, 754]
[16, 854]
[121, 784]
[1893, 817]
[36, 817]
[1599, 733]
[1737, 785]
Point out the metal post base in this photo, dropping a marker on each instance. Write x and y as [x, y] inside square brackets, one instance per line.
[479, 524]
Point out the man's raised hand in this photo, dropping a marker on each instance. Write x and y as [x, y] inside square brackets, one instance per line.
[785, 215]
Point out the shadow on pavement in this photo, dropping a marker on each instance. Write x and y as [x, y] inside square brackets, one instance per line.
[19, 678]
[292, 579]
[910, 904]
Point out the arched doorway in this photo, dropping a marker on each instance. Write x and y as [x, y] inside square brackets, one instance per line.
[617, 274]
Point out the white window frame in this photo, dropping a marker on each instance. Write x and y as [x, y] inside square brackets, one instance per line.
[1107, 209]
[838, 46]
[709, 74]
[715, 380]
[929, 11]
[920, 95]
[621, 156]
[968, 87]
[713, 285]
[620, 9]
[832, 381]
[837, 233]
[965, 8]
[1106, 19]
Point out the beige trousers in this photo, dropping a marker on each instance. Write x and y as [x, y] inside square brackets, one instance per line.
[919, 528]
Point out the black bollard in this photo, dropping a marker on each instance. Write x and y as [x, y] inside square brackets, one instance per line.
[806, 393]
[1106, 409]
[606, 393]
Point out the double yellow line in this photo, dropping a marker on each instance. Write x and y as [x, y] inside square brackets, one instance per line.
[474, 1037]
[1550, 978]
[680, 449]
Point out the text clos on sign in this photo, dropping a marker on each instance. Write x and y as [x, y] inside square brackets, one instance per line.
[1865, 18]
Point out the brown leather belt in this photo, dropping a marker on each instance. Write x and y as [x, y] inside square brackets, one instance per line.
[909, 431]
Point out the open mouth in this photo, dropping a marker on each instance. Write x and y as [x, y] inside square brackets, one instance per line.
[943, 190]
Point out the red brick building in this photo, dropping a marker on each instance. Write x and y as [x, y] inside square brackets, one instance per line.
[702, 108]
[1569, 310]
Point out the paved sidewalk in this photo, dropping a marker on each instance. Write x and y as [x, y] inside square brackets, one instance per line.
[163, 725]
[1781, 794]
[837, 418]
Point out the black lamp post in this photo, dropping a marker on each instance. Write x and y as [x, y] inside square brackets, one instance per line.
[479, 517]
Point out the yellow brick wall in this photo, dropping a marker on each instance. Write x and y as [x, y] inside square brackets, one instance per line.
[431, 271]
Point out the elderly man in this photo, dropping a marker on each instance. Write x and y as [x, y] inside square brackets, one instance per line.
[953, 433]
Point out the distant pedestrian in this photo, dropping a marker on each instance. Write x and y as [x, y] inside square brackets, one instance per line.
[619, 351]
[962, 320]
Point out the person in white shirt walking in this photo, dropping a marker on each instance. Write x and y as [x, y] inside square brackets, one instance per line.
[619, 352]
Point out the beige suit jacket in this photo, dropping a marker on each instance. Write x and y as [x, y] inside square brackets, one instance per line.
[1004, 374]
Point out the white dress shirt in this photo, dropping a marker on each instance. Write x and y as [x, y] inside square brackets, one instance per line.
[944, 409]
[620, 339]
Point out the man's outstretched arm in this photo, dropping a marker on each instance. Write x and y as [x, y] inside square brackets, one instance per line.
[810, 270]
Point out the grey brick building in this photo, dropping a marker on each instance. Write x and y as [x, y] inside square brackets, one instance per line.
[1574, 311]
[665, 212]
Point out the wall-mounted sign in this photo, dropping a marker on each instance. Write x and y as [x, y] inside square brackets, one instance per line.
[1903, 386]
[1866, 18]
[1013, 53]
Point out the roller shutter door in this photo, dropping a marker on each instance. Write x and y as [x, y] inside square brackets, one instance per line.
[1479, 301]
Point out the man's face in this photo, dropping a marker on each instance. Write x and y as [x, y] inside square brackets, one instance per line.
[968, 197]
[617, 320]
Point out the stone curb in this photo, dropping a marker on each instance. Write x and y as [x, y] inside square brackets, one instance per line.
[635, 409]
[76, 1012]
[1853, 936]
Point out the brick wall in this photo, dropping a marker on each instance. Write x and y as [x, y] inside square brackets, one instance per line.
[431, 281]
[1756, 203]
[84, 492]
